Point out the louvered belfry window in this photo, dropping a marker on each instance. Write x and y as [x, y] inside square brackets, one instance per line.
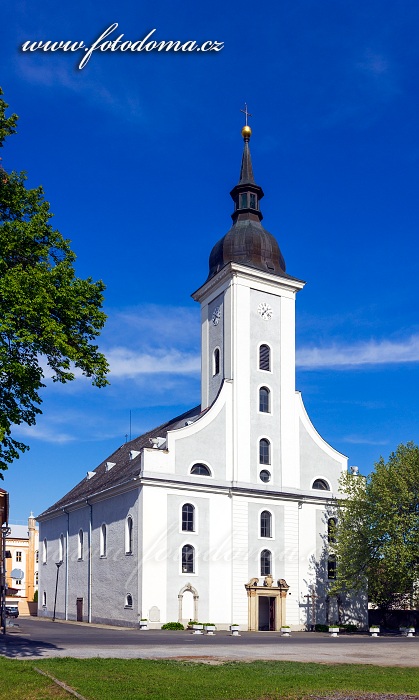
[265, 358]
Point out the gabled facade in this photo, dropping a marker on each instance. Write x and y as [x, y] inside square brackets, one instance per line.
[221, 514]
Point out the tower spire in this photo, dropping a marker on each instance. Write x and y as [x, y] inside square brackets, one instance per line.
[247, 242]
[246, 170]
[246, 194]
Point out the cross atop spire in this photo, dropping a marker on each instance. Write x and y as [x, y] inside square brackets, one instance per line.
[246, 112]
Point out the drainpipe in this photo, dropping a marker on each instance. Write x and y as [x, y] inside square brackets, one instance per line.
[89, 589]
[67, 538]
[140, 549]
[230, 495]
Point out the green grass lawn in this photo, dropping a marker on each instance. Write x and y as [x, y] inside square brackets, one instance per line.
[120, 679]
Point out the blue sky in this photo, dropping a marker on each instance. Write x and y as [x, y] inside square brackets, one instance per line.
[137, 153]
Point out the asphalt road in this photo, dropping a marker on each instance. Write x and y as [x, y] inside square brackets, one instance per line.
[31, 638]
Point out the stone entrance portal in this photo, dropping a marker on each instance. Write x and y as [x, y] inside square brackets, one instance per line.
[266, 604]
[188, 604]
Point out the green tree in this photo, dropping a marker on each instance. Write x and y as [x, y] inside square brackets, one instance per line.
[378, 530]
[48, 316]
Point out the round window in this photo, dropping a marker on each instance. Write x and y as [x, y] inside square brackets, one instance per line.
[265, 476]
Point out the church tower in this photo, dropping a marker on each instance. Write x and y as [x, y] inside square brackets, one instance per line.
[248, 338]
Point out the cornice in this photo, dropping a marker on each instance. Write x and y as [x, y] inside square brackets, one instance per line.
[161, 481]
[233, 269]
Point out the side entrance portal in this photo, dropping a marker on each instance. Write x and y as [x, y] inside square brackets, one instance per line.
[188, 604]
[266, 604]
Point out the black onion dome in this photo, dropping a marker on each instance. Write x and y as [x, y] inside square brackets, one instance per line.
[247, 242]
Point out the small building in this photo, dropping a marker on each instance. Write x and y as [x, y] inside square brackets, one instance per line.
[22, 546]
[222, 513]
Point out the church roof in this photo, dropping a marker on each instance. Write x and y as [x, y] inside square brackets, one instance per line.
[247, 242]
[124, 469]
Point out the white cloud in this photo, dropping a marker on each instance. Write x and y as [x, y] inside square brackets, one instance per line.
[374, 63]
[45, 433]
[126, 363]
[142, 342]
[151, 339]
[151, 325]
[362, 440]
[52, 74]
[361, 354]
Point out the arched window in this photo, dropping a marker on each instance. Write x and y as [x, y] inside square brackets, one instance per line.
[216, 362]
[61, 548]
[188, 517]
[265, 358]
[80, 545]
[331, 530]
[44, 599]
[321, 485]
[331, 567]
[200, 470]
[264, 451]
[44, 551]
[103, 540]
[265, 562]
[128, 600]
[128, 535]
[266, 524]
[188, 559]
[264, 402]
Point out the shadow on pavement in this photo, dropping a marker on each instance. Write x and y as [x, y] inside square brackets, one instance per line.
[19, 647]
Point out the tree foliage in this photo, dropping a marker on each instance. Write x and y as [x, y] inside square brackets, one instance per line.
[378, 530]
[48, 316]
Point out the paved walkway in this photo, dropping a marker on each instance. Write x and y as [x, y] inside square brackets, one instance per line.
[35, 639]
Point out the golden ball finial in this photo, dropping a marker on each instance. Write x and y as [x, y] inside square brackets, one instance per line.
[246, 132]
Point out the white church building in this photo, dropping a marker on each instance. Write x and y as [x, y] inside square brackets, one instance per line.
[223, 514]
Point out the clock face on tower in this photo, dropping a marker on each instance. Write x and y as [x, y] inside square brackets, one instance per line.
[265, 311]
[216, 316]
